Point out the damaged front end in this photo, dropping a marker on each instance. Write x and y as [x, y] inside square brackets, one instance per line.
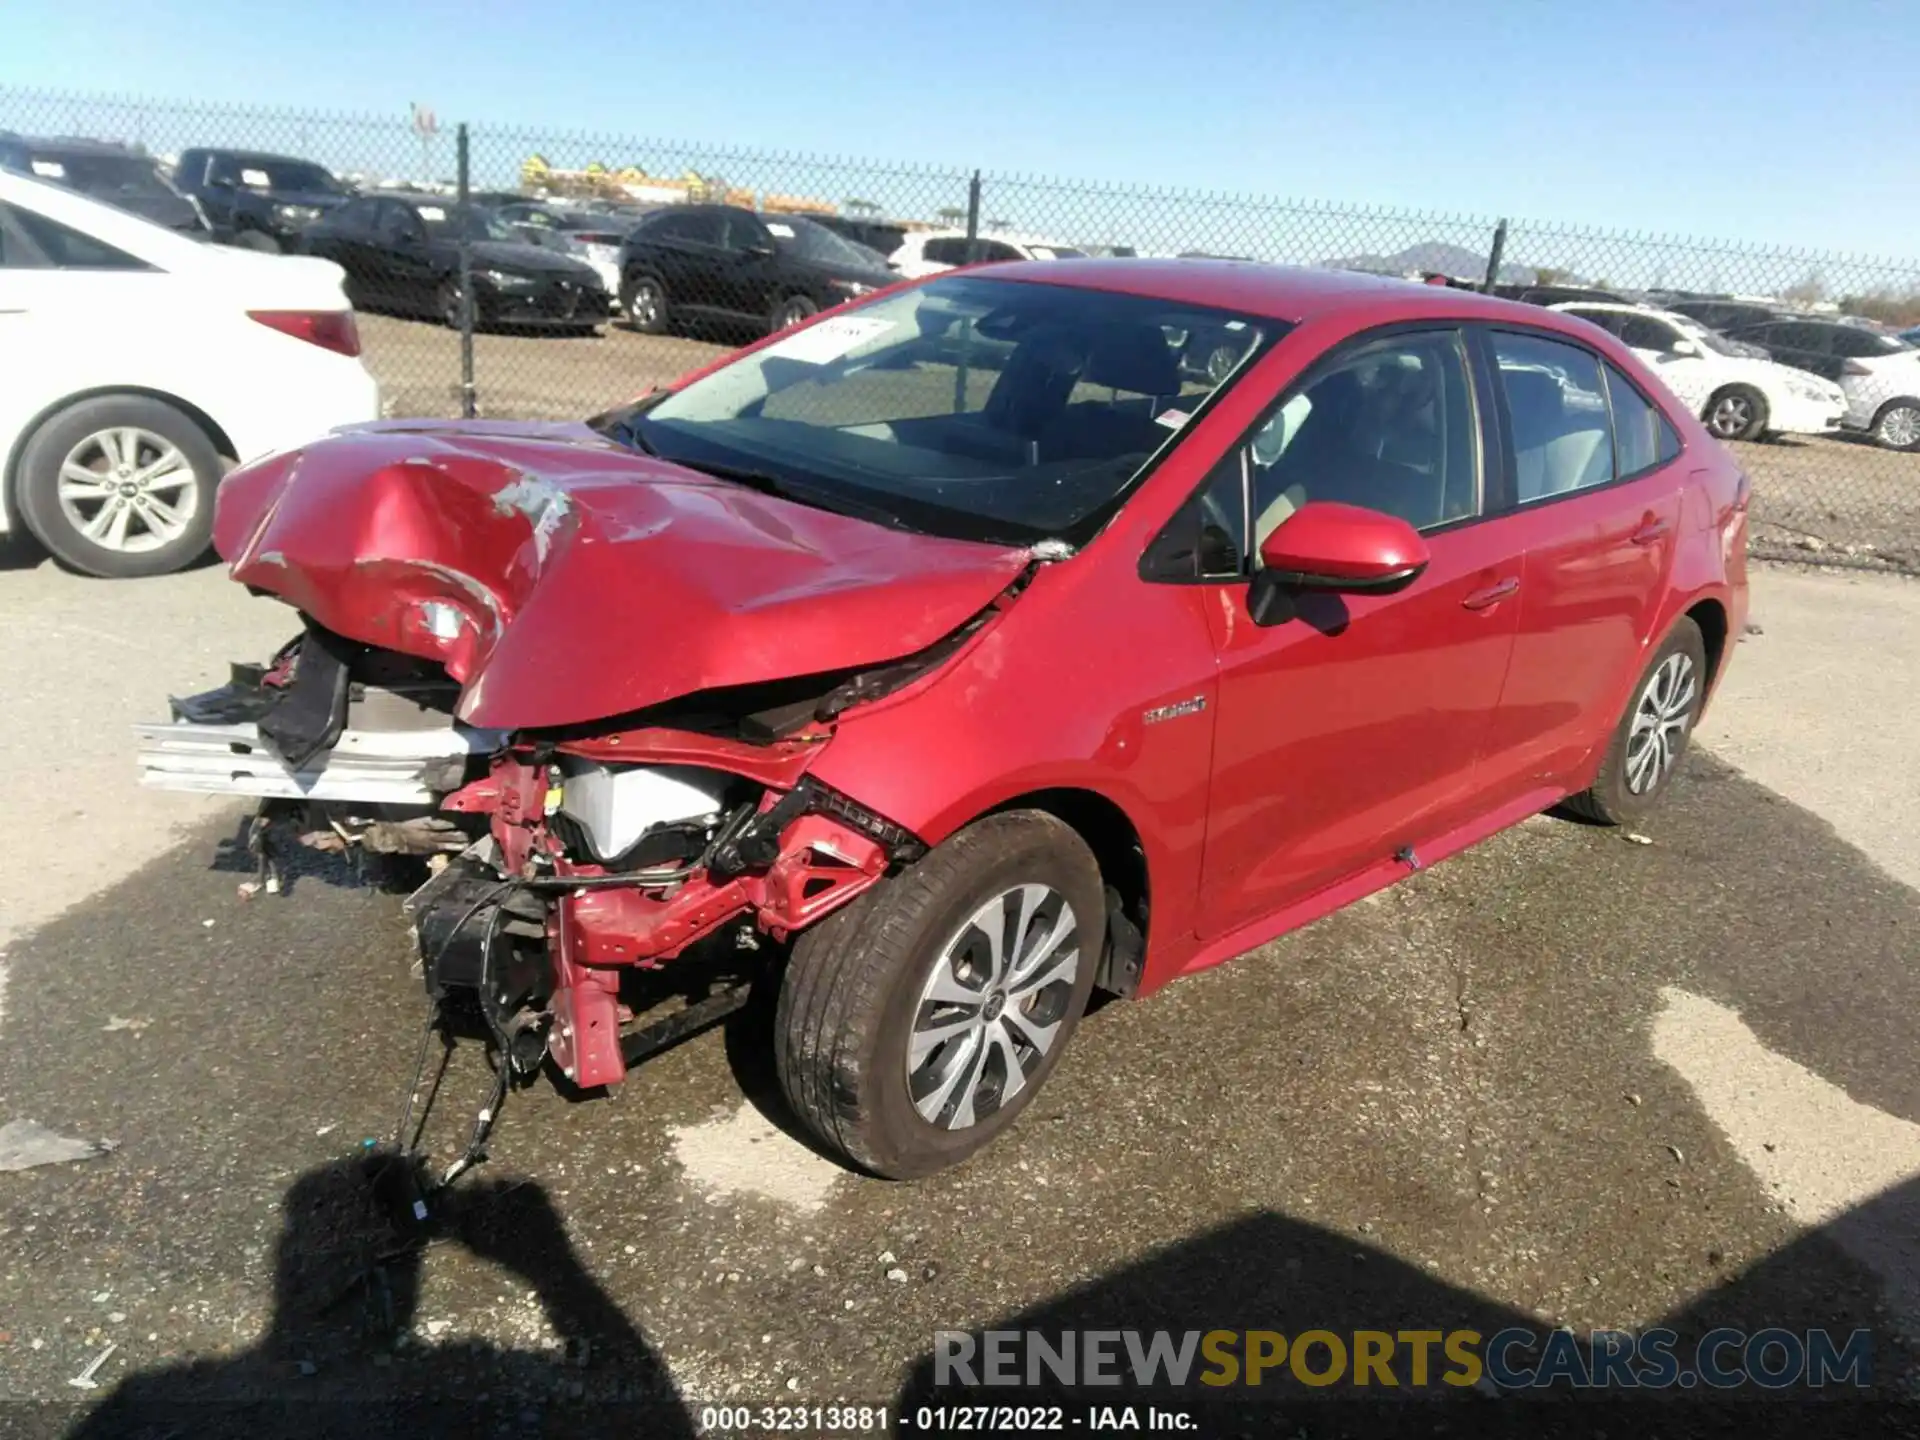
[560, 862]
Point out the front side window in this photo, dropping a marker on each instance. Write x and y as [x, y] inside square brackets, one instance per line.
[1390, 426]
[1642, 332]
[945, 251]
[805, 240]
[1557, 407]
[970, 407]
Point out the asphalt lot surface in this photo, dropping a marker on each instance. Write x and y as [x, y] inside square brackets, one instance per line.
[1826, 494]
[1564, 1078]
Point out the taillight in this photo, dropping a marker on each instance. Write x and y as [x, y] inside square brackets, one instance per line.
[329, 329]
[1856, 367]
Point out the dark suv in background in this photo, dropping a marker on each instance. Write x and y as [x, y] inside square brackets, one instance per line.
[723, 263]
[263, 202]
[115, 174]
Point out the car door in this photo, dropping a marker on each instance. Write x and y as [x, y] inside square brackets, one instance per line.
[1599, 522]
[1803, 345]
[346, 237]
[1691, 377]
[754, 272]
[1356, 728]
[406, 256]
[685, 251]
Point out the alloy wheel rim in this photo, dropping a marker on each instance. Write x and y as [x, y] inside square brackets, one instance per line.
[992, 1006]
[1731, 415]
[128, 490]
[646, 305]
[1660, 723]
[1901, 426]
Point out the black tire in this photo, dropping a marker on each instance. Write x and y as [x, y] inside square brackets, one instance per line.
[643, 300]
[448, 305]
[257, 240]
[1735, 412]
[1613, 798]
[62, 435]
[1897, 426]
[791, 311]
[852, 992]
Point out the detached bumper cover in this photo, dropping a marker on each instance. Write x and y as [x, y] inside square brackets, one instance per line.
[404, 767]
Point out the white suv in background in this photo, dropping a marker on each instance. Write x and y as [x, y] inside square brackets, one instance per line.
[929, 252]
[1737, 397]
[136, 364]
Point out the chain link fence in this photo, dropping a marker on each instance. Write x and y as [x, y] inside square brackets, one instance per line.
[524, 303]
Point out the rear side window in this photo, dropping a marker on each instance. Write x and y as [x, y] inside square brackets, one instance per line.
[1642, 438]
[68, 249]
[945, 251]
[1562, 440]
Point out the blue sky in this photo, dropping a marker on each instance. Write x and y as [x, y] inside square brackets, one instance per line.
[1758, 121]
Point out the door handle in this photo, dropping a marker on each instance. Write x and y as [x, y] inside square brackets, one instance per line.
[1651, 529]
[1492, 595]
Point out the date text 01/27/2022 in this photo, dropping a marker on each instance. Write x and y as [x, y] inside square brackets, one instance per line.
[941, 1419]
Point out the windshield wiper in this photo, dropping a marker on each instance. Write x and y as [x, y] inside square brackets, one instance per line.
[768, 483]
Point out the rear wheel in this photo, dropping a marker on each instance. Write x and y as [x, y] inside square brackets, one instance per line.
[449, 305]
[120, 486]
[916, 1023]
[1736, 412]
[1651, 738]
[1897, 426]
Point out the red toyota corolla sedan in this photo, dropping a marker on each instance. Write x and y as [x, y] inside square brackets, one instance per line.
[988, 641]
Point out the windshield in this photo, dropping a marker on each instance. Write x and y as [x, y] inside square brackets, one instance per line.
[107, 176]
[443, 223]
[814, 242]
[1712, 339]
[968, 407]
[260, 173]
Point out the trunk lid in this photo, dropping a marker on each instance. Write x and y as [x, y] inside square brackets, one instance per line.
[563, 579]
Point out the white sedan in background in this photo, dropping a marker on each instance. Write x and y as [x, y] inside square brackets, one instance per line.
[1736, 396]
[136, 364]
[931, 251]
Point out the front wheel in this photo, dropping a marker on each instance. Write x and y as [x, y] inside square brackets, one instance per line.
[645, 305]
[119, 486]
[1652, 736]
[1897, 426]
[450, 307]
[916, 1023]
[1738, 412]
[791, 311]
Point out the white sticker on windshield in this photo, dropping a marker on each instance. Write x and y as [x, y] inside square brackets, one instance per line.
[432, 213]
[1236, 324]
[785, 232]
[1172, 419]
[258, 178]
[50, 169]
[830, 339]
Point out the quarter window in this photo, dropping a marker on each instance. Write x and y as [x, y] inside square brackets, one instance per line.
[1642, 437]
[68, 249]
[1558, 410]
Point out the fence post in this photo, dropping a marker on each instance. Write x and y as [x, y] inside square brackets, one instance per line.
[973, 218]
[468, 403]
[1493, 257]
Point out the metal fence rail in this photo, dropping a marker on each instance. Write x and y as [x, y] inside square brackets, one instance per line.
[555, 348]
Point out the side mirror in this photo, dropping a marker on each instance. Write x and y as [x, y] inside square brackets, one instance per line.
[1332, 548]
[757, 251]
[1684, 347]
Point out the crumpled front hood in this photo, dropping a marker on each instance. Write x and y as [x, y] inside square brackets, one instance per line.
[590, 580]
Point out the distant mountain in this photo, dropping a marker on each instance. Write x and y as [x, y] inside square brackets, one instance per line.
[1432, 255]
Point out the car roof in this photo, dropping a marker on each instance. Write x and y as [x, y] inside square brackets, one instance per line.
[1277, 292]
[73, 145]
[250, 155]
